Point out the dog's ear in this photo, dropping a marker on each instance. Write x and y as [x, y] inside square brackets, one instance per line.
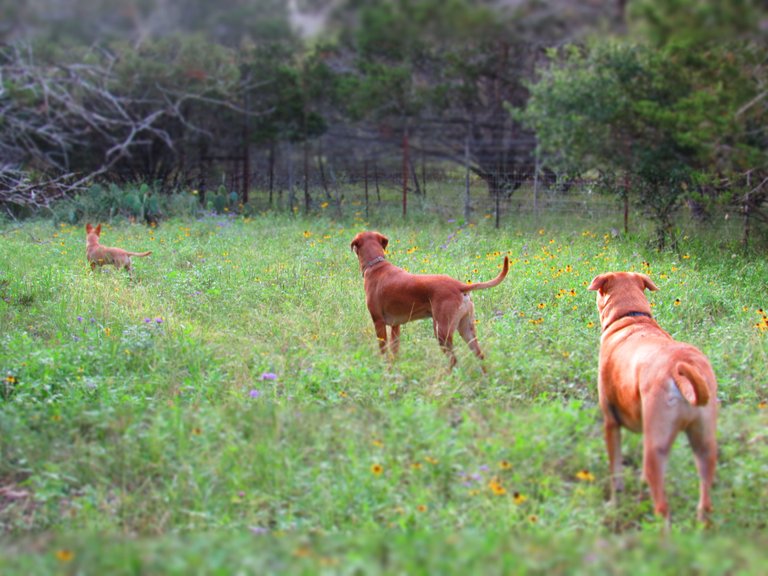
[88, 228]
[648, 283]
[383, 240]
[355, 244]
[597, 283]
[98, 230]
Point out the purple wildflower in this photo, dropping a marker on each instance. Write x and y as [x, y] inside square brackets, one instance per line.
[79, 318]
[254, 393]
[268, 376]
[147, 320]
[159, 320]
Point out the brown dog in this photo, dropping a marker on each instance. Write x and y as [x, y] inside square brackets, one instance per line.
[395, 297]
[650, 383]
[99, 255]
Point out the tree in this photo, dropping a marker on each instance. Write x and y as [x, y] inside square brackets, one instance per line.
[660, 115]
[724, 42]
[450, 68]
[96, 115]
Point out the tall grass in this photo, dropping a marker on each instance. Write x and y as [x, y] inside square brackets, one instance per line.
[227, 409]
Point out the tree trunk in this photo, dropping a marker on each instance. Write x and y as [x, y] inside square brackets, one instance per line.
[305, 122]
[271, 170]
[246, 153]
[203, 172]
[323, 177]
[467, 204]
[365, 179]
[291, 190]
[307, 199]
[498, 208]
[416, 184]
[626, 202]
[746, 208]
[405, 172]
[536, 189]
[424, 175]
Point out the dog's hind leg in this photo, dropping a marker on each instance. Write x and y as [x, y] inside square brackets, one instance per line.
[703, 444]
[444, 334]
[658, 436]
[468, 332]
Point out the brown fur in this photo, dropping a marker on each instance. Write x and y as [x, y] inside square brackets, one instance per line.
[395, 297]
[652, 384]
[99, 255]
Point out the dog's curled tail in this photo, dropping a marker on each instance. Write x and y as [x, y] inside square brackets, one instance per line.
[140, 254]
[491, 283]
[691, 384]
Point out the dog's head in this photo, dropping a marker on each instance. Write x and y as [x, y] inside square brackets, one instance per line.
[620, 294]
[92, 232]
[369, 241]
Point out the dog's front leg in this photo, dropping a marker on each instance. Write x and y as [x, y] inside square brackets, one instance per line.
[394, 343]
[381, 334]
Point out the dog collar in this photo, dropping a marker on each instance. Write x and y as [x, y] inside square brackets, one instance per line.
[373, 263]
[635, 314]
[628, 315]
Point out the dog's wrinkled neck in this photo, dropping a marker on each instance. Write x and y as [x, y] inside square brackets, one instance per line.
[631, 314]
[371, 263]
[646, 314]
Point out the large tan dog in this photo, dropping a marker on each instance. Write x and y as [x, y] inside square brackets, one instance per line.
[395, 297]
[99, 255]
[652, 384]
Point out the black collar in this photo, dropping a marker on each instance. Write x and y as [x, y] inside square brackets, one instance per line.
[373, 263]
[628, 315]
[635, 314]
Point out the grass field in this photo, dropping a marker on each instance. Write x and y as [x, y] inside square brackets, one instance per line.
[227, 411]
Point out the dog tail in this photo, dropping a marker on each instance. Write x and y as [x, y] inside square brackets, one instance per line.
[491, 283]
[691, 384]
[140, 254]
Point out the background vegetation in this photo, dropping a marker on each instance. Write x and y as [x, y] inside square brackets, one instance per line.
[228, 410]
[298, 99]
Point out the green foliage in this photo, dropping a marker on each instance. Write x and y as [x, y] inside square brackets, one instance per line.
[409, 55]
[694, 23]
[227, 406]
[187, 64]
[136, 202]
[662, 115]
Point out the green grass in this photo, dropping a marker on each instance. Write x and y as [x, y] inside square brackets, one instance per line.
[227, 410]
